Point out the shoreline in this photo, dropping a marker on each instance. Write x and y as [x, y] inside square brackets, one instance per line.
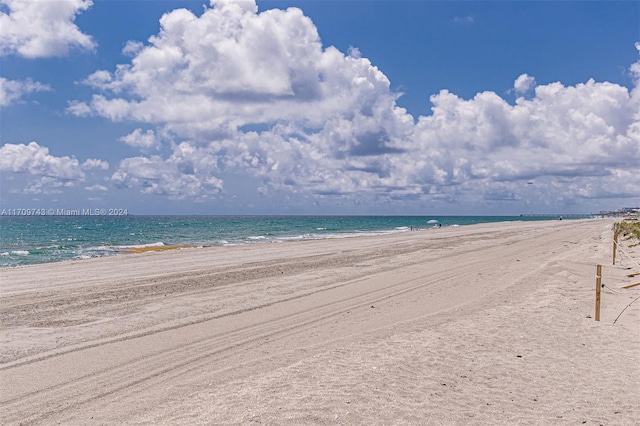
[99, 240]
[153, 247]
[398, 328]
[152, 251]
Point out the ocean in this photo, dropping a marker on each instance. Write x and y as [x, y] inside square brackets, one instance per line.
[27, 240]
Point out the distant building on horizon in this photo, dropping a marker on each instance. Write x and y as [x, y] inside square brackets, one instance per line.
[625, 211]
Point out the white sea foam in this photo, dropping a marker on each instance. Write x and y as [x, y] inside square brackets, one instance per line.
[294, 238]
[124, 247]
[135, 246]
[20, 252]
[156, 244]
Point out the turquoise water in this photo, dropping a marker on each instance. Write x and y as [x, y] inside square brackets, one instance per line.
[26, 240]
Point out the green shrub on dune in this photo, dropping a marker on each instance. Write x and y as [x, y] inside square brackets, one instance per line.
[628, 229]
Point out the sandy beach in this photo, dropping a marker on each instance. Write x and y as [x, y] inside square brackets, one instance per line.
[484, 324]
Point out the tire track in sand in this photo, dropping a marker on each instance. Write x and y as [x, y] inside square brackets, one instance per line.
[232, 342]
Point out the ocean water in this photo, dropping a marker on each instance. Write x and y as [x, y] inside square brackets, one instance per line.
[26, 240]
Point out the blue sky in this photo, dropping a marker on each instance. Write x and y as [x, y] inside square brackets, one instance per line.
[313, 107]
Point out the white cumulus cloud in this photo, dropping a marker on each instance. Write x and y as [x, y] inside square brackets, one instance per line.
[524, 83]
[580, 134]
[36, 29]
[187, 173]
[464, 19]
[96, 187]
[206, 76]
[145, 141]
[35, 160]
[257, 93]
[47, 173]
[12, 91]
[94, 163]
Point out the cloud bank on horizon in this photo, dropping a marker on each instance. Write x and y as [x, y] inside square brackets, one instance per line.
[237, 92]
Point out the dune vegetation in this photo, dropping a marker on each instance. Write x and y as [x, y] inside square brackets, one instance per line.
[628, 229]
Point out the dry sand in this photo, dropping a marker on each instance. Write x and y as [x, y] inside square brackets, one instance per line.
[484, 324]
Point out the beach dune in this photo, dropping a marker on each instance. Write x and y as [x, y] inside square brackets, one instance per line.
[482, 324]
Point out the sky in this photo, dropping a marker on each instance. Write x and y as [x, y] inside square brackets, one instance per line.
[320, 107]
